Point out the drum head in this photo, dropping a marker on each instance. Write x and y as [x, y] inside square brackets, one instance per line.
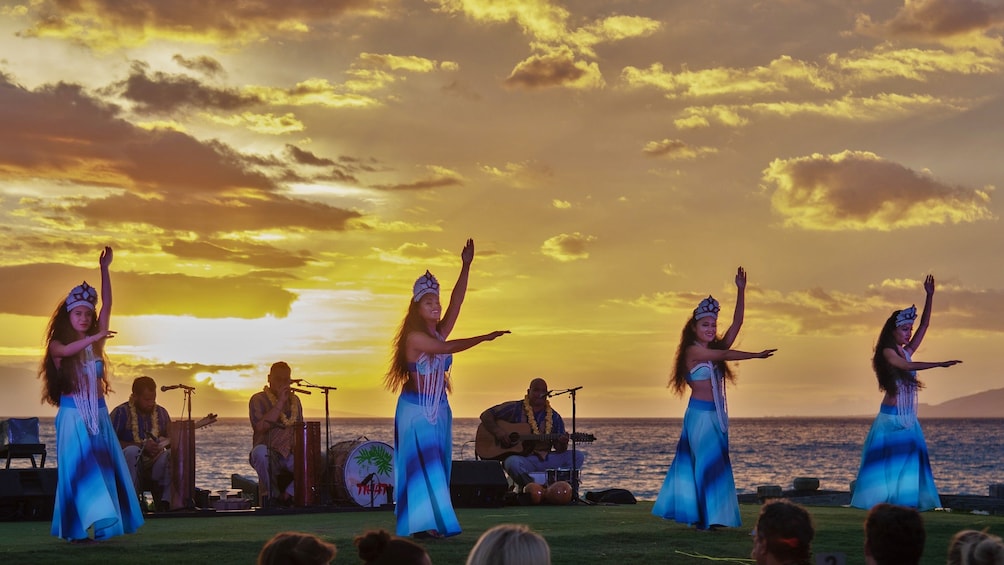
[355, 462]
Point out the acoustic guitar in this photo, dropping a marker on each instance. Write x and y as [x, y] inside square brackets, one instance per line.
[521, 438]
[165, 442]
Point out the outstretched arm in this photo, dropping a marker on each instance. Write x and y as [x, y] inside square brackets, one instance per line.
[60, 350]
[925, 318]
[699, 354]
[423, 343]
[459, 290]
[899, 362]
[737, 317]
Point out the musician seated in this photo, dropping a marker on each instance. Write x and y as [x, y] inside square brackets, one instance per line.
[273, 411]
[531, 416]
[142, 429]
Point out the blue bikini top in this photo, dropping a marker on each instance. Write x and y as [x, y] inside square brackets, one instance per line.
[702, 372]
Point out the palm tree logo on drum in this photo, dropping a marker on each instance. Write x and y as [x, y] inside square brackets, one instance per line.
[376, 457]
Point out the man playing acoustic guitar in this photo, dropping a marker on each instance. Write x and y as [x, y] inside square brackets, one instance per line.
[141, 425]
[532, 417]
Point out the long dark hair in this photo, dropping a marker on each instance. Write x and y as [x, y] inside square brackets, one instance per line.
[379, 547]
[888, 376]
[678, 380]
[787, 530]
[57, 382]
[398, 374]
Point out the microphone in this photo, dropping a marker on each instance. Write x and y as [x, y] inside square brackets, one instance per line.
[166, 388]
[368, 479]
[299, 390]
[295, 381]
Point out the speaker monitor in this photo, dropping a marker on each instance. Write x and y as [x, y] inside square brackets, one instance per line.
[27, 494]
[478, 484]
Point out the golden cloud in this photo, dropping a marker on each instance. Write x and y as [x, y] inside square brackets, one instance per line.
[675, 149]
[780, 75]
[851, 108]
[568, 247]
[858, 190]
[110, 24]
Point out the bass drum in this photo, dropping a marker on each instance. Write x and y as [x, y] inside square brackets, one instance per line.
[362, 473]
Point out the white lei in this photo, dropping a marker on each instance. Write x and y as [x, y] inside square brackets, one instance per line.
[721, 403]
[85, 394]
[906, 398]
[432, 376]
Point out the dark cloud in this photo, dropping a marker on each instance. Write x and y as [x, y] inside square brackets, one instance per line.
[60, 133]
[203, 64]
[860, 190]
[257, 255]
[305, 157]
[163, 93]
[37, 289]
[542, 71]
[207, 216]
[936, 19]
[437, 182]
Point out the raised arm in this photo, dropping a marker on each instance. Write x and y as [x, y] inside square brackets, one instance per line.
[459, 290]
[896, 360]
[106, 290]
[737, 317]
[925, 317]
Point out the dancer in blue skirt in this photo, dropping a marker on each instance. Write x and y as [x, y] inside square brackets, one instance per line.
[94, 490]
[699, 489]
[894, 462]
[423, 423]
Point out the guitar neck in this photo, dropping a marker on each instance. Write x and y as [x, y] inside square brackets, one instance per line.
[539, 437]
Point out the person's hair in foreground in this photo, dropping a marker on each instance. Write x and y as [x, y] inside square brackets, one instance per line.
[379, 547]
[296, 548]
[894, 535]
[783, 534]
[510, 544]
[970, 547]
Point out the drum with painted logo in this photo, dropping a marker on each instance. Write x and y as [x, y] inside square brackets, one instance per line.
[362, 473]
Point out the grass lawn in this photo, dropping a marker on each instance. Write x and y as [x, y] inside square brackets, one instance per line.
[578, 534]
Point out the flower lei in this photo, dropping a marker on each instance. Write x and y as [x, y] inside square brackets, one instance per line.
[548, 416]
[285, 420]
[134, 420]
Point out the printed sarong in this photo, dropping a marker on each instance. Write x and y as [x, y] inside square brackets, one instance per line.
[699, 488]
[422, 465]
[895, 467]
[93, 487]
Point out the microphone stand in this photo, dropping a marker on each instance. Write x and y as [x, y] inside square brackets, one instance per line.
[327, 436]
[573, 479]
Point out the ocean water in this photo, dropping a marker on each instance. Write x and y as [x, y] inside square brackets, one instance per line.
[967, 455]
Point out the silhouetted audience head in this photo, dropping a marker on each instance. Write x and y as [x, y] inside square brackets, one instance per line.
[783, 534]
[970, 547]
[378, 547]
[510, 544]
[296, 548]
[894, 535]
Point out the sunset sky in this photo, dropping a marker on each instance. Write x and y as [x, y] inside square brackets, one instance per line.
[273, 177]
